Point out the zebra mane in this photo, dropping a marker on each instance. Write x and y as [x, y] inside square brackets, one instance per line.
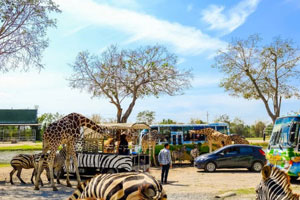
[279, 175]
[80, 188]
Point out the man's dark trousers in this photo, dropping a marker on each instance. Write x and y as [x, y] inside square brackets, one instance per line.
[164, 173]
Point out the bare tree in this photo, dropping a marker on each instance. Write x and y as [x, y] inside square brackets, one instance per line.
[129, 74]
[23, 25]
[255, 71]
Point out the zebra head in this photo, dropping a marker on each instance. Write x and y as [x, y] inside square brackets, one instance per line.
[275, 184]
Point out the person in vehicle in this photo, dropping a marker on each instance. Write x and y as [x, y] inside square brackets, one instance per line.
[123, 146]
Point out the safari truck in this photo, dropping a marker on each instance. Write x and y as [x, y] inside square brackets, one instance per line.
[284, 146]
[97, 153]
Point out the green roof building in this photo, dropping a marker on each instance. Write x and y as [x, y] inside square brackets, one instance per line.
[19, 125]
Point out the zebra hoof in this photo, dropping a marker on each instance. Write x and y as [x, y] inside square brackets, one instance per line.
[55, 189]
[69, 185]
[36, 188]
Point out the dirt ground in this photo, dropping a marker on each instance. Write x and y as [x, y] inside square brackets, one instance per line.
[185, 183]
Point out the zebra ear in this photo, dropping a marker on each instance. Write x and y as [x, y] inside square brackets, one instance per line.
[266, 171]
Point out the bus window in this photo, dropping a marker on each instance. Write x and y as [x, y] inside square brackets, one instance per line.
[222, 129]
[176, 129]
[166, 131]
[294, 134]
[186, 134]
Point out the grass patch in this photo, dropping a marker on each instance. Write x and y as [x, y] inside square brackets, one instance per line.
[242, 191]
[4, 165]
[245, 191]
[34, 147]
[262, 144]
[257, 138]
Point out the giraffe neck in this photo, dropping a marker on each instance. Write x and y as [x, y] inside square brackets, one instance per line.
[83, 121]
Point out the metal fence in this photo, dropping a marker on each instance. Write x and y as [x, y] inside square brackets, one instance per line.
[17, 135]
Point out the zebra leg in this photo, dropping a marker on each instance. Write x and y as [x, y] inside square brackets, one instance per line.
[68, 166]
[58, 173]
[19, 176]
[48, 173]
[73, 154]
[33, 174]
[11, 175]
[39, 169]
[51, 164]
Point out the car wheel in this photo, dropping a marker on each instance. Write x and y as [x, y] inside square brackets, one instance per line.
[257, 166]
[210, 167]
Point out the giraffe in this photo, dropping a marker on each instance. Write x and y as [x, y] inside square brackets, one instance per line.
[237, 139]
[149, 142]
[214, 137]
[64, 131]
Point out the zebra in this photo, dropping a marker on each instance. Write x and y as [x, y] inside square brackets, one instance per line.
[125, 186]
[59, 162]
[275, 184]
[178, 154]
[26, 161]
[103, 162]
[194, 154]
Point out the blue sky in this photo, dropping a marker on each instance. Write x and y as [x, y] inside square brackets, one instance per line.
[194, 30]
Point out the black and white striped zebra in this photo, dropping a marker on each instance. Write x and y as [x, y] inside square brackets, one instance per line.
[59, 162]
[275, 185]
[125, 186]
[103, 161]
[25, 161]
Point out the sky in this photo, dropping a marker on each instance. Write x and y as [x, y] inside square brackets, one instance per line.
[193, 30]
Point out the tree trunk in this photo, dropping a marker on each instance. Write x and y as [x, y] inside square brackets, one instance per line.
[129, 110]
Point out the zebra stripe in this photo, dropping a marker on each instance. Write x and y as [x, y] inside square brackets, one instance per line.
[274, 185]
[24, 161]
[102, 161]
[122, 186]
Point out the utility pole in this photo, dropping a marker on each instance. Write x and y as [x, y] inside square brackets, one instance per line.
[207, 116]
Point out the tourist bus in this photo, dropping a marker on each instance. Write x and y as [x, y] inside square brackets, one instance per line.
[284, 146]
[177, 134]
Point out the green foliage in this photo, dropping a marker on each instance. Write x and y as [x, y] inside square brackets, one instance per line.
[146, 117]
[188, 147]
[47, 118]
[167, 121]
[197, 121]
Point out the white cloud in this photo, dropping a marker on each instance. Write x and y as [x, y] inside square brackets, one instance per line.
[189, 8]
[141, 27]
[218, 19]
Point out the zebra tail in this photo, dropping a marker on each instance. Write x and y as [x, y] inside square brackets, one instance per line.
[146, 192]
[80, 188]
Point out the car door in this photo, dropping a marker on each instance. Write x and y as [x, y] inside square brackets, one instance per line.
[228, 157]
[246, 157]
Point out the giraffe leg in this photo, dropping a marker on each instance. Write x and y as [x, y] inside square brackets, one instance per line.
[68, 166]
[153, 154]
[11, 175]
[73, 154]
[19, 175]
[210, 147]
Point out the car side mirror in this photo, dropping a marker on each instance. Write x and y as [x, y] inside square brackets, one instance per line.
[221, 153]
